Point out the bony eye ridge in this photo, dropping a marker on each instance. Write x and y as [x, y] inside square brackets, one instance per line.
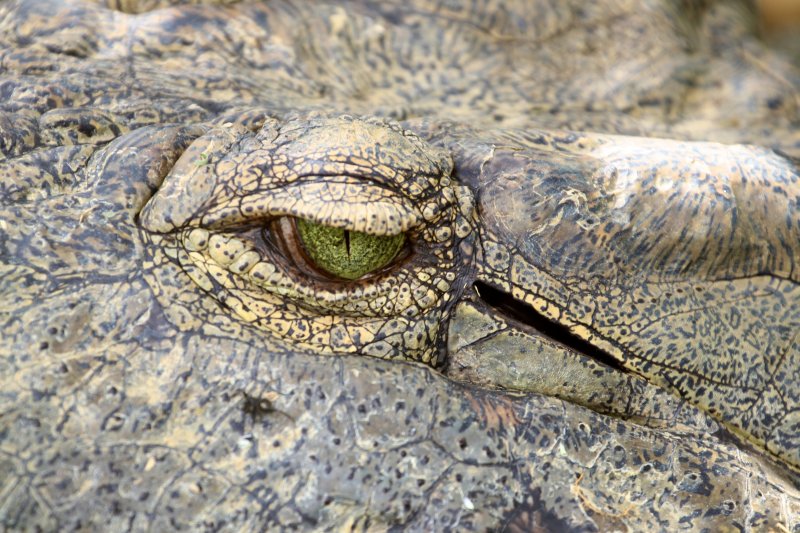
[345, 254]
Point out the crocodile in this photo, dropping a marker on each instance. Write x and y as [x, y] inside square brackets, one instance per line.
[361, 265]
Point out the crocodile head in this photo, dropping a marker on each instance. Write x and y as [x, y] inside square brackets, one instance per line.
[292, 311]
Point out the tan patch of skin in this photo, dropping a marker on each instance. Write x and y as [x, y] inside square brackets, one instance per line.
[779, 14]
[128, 336]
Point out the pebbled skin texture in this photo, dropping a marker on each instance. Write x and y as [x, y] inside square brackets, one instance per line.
[161, 359]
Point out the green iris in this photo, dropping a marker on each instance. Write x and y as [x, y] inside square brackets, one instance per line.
[347, 254]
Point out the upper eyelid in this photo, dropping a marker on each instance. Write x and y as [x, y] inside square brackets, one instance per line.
[252, 177]
[356, 180]
[356, 206]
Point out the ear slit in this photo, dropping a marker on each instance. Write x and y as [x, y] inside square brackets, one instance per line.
[518, 311]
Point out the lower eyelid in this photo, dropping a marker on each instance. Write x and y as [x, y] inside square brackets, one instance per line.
[271, 242]
[245, 262]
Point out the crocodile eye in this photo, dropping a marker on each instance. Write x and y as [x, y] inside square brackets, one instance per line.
[337, 252]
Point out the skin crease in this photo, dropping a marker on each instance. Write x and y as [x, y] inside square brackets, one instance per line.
[591, 325]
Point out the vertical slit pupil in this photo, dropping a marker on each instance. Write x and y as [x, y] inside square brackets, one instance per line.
[347, 241]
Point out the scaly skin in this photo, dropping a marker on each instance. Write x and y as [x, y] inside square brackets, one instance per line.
[161, 354]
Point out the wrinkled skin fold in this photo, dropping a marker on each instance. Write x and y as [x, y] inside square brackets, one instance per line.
[592, 325]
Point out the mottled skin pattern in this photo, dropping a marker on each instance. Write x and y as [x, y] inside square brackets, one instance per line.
[161, 362]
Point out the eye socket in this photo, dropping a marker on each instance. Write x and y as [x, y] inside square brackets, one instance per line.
[334, 252]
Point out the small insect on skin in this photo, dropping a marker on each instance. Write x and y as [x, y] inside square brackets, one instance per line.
[258, 407]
